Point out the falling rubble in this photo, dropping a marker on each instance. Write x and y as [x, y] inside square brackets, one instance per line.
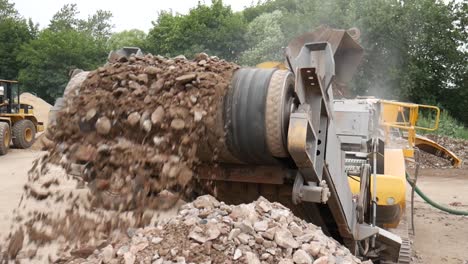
[136, 126]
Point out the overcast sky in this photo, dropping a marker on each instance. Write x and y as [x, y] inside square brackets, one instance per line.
[128, 14]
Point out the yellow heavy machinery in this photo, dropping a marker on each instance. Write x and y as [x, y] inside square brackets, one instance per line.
[338, 163]
[17, 121]
[397, 121]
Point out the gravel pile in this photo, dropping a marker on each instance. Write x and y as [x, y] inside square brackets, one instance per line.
[208, 231]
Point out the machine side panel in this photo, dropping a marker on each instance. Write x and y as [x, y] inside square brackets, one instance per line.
[335, 163]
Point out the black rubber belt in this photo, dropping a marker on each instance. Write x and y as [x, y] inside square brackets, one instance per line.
[244, 116]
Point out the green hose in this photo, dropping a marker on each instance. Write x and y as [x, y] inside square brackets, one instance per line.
[434, 204]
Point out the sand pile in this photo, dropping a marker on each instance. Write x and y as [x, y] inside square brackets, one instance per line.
[41, 108]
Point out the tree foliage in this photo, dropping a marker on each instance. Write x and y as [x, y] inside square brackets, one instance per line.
[14, 31]
[97, 25]
[414, 50]
[265, 39]
[434, 61]
[68, 43]
[127, 38]
[52, 56]
[269, 6]
[214, 29]
[65, 19]
[7, 9]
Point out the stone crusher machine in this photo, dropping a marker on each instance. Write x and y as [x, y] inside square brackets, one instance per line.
[339, 164]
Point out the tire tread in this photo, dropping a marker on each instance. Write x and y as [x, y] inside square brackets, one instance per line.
[18, 133]
[4, 127]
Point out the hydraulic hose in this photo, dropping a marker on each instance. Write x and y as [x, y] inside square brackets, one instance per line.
[434, 204]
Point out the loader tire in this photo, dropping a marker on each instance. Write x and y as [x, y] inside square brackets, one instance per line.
[5, 138]
[24, 133]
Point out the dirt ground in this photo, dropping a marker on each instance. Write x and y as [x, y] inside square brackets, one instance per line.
[13, 175]
[440, 237]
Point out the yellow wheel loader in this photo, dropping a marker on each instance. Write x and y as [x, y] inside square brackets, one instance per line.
[17, 121]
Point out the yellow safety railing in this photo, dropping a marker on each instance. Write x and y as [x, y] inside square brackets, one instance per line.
[404, 116]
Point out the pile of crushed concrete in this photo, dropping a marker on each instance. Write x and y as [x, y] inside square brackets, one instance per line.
[208, 231]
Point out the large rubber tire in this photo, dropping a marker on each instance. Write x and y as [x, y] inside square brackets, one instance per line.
[5, 138]
[24, 133]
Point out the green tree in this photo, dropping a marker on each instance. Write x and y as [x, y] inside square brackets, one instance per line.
[434, 61]
[14, 31]
[457, 95]
[269, 6]
[214, 29]
[7, 9]
[127, 38]
[265, 40]
[65, 18]
[52, 56]
[68, 43]
[414, 50]
[384, 49]
[98, 25]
